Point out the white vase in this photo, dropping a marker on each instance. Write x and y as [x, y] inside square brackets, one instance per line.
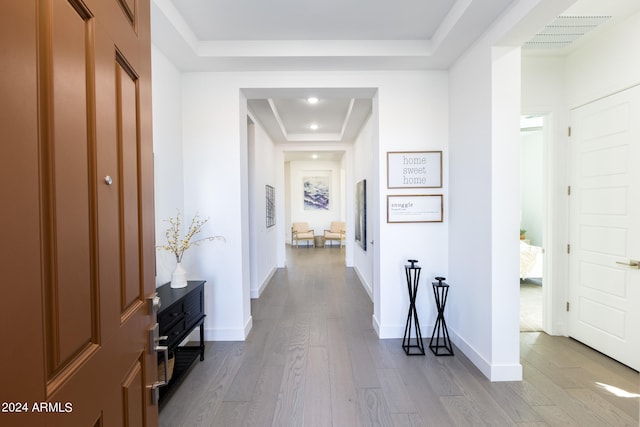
[179, 277]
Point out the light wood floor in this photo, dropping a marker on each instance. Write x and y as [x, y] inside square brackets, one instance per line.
[313, 359]
[530, 307]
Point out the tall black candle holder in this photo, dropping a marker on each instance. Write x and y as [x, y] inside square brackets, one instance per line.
[416, 348]
[440, 334]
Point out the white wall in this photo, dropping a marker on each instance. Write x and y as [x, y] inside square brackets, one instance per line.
[505, 221]
[469, 306]
[483, 309]
[167, 148]
[215, 174]
[484, 134]
[412, 116]
[264, 166]
[286, 231]
[607, 64]
[363, 152]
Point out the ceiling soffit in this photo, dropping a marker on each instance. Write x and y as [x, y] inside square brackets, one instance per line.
[254, 35]
[216, 20]
[287, 116]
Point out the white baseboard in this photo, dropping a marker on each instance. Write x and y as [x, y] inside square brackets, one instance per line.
[255, 293]
[239, 334]
[391, 331]
[494, 372]
[511, 372]
[558, 329]
[387, 332]
[247, 327]
[365, 285]
[375, 324]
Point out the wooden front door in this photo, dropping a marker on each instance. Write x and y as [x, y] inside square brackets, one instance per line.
[76, 186]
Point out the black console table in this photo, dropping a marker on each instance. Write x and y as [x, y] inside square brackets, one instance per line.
[181, 311]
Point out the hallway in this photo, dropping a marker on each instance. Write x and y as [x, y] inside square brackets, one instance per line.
[313, 358]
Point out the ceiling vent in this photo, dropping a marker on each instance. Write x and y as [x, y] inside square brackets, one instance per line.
[563, 31]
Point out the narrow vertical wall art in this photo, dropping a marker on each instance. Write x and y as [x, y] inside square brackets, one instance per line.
[270, 206]
[361, 214]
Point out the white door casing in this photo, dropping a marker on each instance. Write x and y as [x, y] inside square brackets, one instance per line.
[605, 226]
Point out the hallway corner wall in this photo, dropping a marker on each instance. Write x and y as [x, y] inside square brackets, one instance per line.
[168, 159]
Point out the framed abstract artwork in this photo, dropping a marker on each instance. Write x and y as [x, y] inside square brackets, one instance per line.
[316, 192]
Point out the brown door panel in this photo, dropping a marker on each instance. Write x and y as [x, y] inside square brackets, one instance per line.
[22, 362]
[76, 117]
[67, 210]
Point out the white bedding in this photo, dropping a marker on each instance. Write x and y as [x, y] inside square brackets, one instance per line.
[530, 261]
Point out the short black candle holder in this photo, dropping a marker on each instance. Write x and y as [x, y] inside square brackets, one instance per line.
[416, 348]
[440, 334]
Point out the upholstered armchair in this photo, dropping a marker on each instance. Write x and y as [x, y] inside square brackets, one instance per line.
[337, 231]
[300, 231]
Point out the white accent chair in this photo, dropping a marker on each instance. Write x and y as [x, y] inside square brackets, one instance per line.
[300, 231]
[337, 231]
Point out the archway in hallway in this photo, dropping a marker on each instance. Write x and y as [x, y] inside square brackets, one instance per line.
[282, 169]
[316, 192]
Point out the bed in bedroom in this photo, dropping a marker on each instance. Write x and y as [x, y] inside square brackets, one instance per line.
[530, 261]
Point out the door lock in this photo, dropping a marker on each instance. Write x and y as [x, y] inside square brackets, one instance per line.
[154, 340]
[154, 303]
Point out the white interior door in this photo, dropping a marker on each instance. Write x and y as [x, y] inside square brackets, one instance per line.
[605, 226]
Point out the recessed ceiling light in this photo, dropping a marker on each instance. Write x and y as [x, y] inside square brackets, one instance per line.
[314, 156]
[313, 126]
[312, 100]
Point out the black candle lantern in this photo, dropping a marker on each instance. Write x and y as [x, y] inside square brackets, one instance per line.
[442, 345]
[415, 348]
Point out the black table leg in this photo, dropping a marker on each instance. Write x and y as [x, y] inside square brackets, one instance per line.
[201, 342]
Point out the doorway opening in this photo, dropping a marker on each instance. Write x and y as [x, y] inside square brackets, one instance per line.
[284, 154]
[315, 193]
[532, 221]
